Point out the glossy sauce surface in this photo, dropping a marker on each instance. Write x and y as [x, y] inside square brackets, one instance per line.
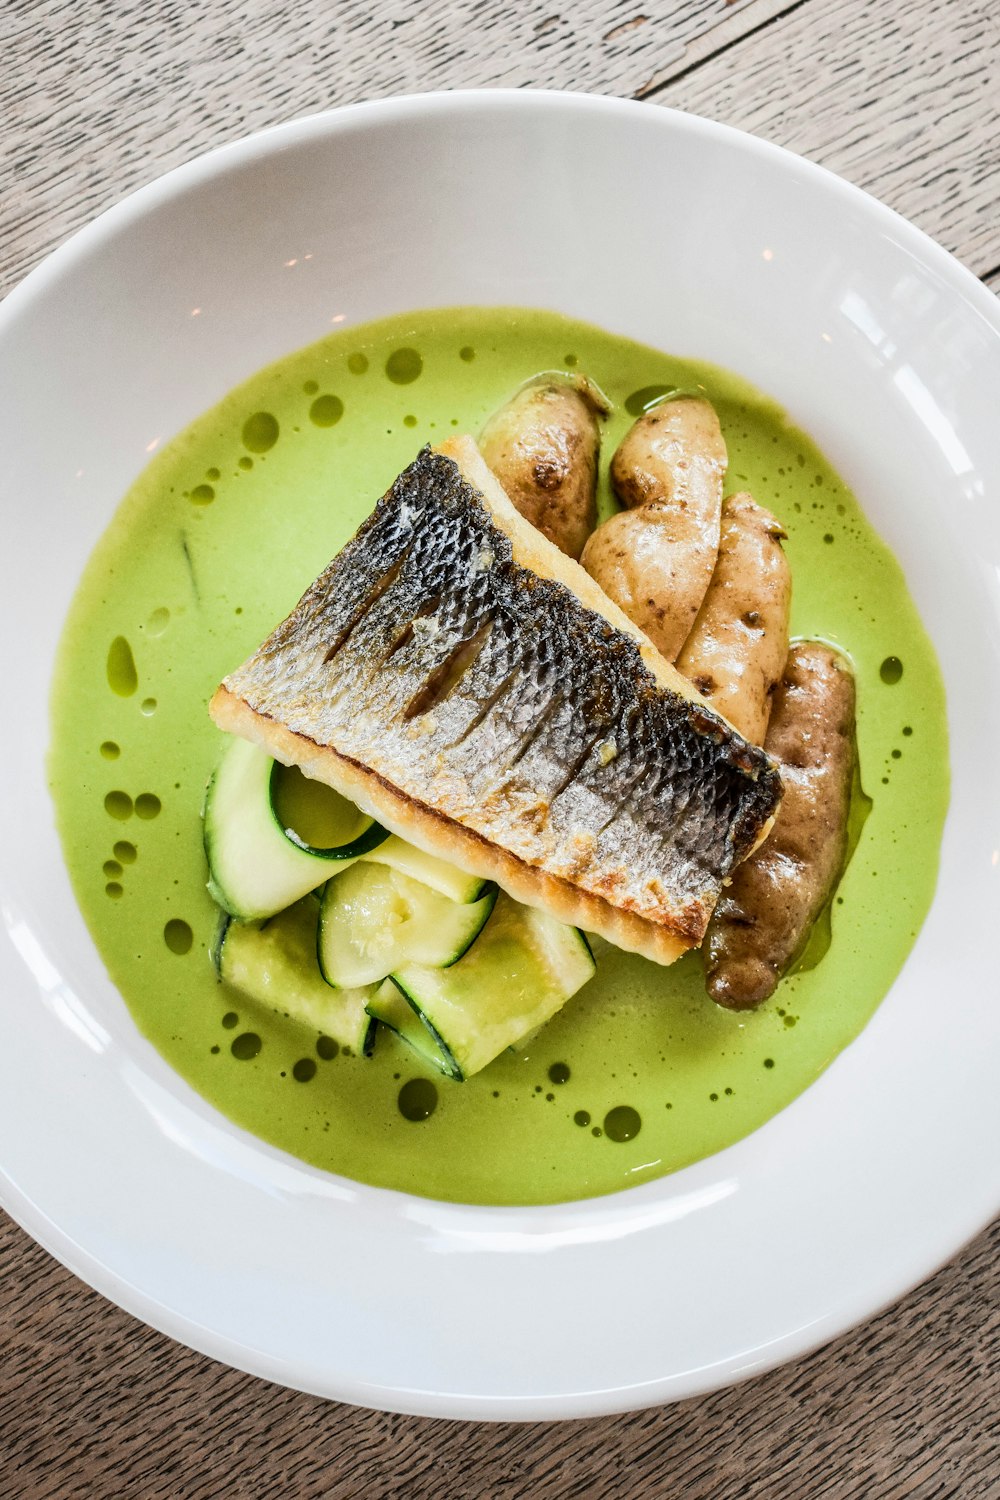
[640, 1074]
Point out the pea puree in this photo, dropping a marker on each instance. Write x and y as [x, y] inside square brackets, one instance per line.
[640, 1074]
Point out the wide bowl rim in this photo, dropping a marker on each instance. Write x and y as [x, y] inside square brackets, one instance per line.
[88, 241]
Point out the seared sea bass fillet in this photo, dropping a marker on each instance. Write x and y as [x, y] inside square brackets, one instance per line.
[471, 688]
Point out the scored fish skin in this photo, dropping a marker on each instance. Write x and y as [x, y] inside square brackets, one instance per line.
[472, 689]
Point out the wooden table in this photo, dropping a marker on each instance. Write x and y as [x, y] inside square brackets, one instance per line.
[99, 96]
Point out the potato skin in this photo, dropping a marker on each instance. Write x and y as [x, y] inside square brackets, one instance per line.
[763, 919]
[543, 446]
[737, 648]
[655, 558]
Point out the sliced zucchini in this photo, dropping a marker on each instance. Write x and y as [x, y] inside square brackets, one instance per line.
[275, 964]
[317, 818]
[442, 877]
[257, 864]
[373, 918]
[390, 1006]
[524, 966]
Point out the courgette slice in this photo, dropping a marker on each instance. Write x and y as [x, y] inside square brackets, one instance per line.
[372, 919]
[523, 968]
[318, 819]
[390, 1006]
[257, 865]
[275, 965]
[442, 877]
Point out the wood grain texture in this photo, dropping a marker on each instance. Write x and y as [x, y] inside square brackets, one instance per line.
[95, 1406]
[97, 98]
[903, 100]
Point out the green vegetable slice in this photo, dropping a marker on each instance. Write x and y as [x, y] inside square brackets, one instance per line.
[390, 1006]
[373, 918]
[522, 969]
[258, 864]
[442, 877]
[317, 818]
[275, 965]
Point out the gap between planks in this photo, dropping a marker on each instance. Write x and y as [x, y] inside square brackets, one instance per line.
[902, 101]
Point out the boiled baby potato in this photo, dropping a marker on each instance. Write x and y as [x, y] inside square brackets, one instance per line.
[543, 446]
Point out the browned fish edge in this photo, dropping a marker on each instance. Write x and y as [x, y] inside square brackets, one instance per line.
[440, 835]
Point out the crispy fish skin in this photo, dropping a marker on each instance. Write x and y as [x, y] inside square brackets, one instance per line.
[655, 558]
[763, 919]
[543, 446]
[470, 687]
[738, 646]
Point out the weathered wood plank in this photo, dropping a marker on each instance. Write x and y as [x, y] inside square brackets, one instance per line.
[903, 100]
[94, 1405]
[737, 23]
[97, 99]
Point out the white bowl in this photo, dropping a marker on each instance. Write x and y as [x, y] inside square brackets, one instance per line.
[682, 234]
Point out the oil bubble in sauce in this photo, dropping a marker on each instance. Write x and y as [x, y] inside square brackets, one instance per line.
[246, 1046]
[622, 1123]
[404, 366]
[326, 411]
[119, 805]
[417, 1099]
[123, 678]
[260, 432]
[178, 936]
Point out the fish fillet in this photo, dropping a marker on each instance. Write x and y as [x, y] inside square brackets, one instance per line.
[475, 691]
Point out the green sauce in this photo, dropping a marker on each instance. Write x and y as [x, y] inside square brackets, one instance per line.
[640, 1074]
